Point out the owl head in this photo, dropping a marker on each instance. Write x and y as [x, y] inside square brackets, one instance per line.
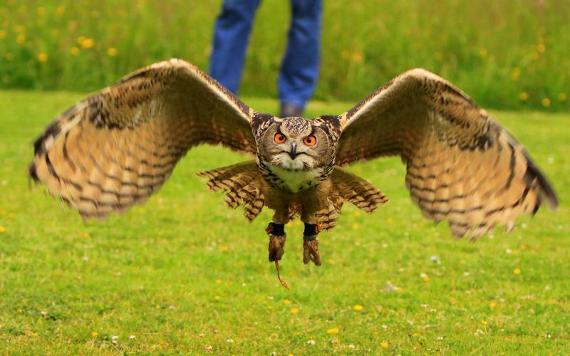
[296, 143]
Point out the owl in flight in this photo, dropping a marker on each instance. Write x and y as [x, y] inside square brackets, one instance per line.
[117, 147]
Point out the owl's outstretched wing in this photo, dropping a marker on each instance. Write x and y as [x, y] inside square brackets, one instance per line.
[118, 146]
[462, 166]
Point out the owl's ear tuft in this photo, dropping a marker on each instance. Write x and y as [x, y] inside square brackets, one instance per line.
[331, 125]
[260, 122]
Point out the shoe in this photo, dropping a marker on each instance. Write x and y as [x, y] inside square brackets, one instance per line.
[290, 110]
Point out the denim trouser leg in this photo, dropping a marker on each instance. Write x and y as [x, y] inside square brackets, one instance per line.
[300, 66]
[231, 35]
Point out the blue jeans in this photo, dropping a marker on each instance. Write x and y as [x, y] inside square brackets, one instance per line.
[300, 65]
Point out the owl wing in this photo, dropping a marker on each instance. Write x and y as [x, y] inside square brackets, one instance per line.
[461, 166]
[118, 146]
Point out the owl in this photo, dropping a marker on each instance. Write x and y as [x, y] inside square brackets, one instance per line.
[118, 146]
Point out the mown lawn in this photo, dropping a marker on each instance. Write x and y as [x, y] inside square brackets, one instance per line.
[183, 273]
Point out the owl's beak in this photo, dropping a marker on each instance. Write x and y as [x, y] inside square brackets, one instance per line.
[293, 153]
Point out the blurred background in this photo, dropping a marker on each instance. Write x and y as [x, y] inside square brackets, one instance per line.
[505, 54]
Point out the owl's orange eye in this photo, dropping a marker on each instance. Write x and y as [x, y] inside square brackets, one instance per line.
[279, 138]
[310, 140]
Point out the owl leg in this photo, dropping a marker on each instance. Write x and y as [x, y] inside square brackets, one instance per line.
[311, 244]
[277, 238]
[313, 206]
[276, 232]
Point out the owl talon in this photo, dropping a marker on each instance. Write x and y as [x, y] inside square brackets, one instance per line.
[277, 239]
[276, 247]
[311, 244]
[311, 251]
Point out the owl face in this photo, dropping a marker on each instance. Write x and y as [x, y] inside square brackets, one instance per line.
[296, 144]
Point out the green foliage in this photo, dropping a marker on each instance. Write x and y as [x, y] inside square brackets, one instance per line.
[505, 53]
[184, 274]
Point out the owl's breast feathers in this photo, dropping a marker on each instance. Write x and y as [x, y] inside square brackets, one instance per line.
[293, 181]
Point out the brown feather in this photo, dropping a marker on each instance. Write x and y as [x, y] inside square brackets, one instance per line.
[462, 166]
[243, 186]
[356, 190]
[118, 146]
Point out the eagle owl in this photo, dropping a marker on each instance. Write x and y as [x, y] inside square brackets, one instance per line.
[117, 147]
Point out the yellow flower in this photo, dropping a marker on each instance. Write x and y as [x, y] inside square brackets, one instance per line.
[42, 57]
[2, 229]
[223, 248]
[94, 333]
[294, 311]
[492, 304]
[112, 52]
[523, 96]
[333, 331]
[357, 57]
[2, 34]
[517, 271]
[357, 307]
[385, 344]
[562, 97]
[286, 301]
[86, 42]
[21, 38]
[546, 102]
[218, 281]
[515, 73]
[424, 277]
[74, 51]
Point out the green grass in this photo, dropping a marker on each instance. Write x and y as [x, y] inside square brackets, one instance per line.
[508, 54]
[183, 273]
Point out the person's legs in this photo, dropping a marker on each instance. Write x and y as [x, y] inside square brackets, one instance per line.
[231, 35]
[300, 66]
